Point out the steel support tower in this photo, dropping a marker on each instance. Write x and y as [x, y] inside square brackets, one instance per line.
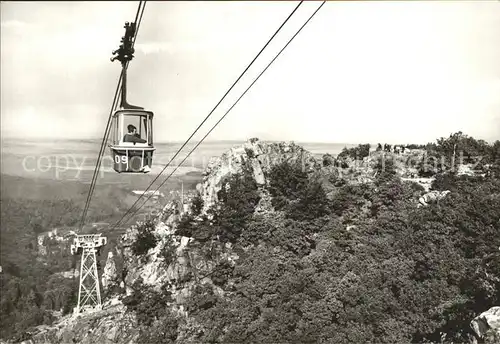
[89, 292]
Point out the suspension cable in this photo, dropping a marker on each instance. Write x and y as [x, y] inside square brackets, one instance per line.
[270, 63]
[208, 116]
[138, 19]
[101, 151]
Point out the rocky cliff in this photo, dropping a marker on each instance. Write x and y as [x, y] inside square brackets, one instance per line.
[260, 156]
[111, 325]
[124, 271]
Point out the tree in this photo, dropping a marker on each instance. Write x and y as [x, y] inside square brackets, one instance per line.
[312, 204]
[385, 169]
[359, 152]
[239, 196]
[328, 160]
[145, 238]
[449, 145]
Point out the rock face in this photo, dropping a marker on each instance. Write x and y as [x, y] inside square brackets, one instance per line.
[109, 276]
[259, 155]
[150, 268]
[112, 325]
[69, 274]
[154, 271]
[487, 325]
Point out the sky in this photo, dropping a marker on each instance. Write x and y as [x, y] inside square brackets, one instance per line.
[395, 72]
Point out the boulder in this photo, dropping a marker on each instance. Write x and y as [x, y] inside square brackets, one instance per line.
[433, 197]
[486, 326]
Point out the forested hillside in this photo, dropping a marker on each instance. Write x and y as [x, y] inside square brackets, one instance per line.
[364, 263]
[31, 284]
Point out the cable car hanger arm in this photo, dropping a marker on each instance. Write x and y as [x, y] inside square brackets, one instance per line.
[124, 54]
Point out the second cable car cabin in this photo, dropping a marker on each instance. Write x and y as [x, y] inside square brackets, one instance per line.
[132, 126]
[132, 141]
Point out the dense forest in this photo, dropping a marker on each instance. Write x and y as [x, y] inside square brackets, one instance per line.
[364, 264]
[359, 263]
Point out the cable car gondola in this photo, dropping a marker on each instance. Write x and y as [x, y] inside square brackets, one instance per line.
[132, 126]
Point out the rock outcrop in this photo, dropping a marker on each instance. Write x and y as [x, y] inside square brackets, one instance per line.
[149, 268]
[109, 326]
[69, 274]
[260, 156]
[433, 197]
[109, 277]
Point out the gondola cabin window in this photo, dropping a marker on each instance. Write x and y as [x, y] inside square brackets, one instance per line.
[132, 148]
[133, 129]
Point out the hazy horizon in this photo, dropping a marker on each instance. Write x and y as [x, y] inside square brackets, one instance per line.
[72, 159]
[99, 139]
